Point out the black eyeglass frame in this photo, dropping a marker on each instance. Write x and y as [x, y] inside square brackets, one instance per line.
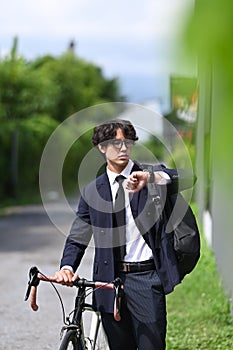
[118, 143]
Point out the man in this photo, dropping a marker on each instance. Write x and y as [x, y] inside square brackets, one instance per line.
[147, 274]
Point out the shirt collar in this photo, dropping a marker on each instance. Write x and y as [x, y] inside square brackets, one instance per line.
[125, 172]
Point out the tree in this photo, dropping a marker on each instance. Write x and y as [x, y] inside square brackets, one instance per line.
[34, 97]
[24, 91]
[80, 84]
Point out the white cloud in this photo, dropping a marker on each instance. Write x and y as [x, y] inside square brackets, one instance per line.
[94, 18]
[123, 37]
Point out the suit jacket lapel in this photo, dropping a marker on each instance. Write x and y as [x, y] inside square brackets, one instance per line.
[103, 187]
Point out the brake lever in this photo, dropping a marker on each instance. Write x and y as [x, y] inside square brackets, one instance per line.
[118, 294]
[33, 281]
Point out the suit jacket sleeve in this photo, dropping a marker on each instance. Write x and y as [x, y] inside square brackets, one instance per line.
[181, 179]
[79, 237]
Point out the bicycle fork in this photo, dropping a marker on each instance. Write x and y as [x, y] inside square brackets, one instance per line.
[76, 323]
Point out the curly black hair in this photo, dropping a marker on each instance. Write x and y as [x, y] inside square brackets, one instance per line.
[107, 131]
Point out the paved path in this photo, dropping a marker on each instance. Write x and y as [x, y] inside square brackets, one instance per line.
[28, 238]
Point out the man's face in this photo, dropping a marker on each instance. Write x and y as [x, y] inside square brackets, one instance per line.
[117, 151]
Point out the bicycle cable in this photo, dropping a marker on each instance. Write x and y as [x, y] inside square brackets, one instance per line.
[95, 289]
[65, 320]
[91, 290]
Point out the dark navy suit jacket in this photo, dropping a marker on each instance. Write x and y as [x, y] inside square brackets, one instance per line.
[94, 218]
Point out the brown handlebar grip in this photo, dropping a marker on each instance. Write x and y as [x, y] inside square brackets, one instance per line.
[33, 303]
[117, 315]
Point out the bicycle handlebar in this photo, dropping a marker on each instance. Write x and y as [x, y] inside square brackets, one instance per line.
[35, 277]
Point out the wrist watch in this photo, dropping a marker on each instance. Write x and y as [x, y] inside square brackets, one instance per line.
[151, 173]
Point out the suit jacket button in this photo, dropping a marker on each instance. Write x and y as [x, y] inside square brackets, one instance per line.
[102, 231]
[105, 262]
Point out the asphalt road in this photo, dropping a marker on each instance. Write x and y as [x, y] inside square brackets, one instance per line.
[28, 238]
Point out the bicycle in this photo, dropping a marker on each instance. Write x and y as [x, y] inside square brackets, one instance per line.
[75, 337]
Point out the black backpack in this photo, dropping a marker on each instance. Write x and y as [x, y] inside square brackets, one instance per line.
[183, 228]
[179, 223]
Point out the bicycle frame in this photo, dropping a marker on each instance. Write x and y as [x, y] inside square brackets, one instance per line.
[76, 324]
[74, 329]
[77, 321]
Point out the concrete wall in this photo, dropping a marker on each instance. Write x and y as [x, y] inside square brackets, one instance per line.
[214, 167]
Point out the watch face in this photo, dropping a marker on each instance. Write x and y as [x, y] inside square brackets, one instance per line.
[152, 177]
[151, 173]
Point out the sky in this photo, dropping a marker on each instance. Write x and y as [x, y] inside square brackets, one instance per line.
[132, 40]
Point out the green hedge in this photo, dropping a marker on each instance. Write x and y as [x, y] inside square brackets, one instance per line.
[30, 137]
[21, 146]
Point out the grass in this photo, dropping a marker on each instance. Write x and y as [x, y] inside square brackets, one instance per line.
[199, 315]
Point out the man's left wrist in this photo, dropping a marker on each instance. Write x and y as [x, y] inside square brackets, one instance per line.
[150, 176]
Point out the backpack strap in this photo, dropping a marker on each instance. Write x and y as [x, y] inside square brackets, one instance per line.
[152, 186]
[155, 199]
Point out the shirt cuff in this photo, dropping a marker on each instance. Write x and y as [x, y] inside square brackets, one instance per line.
[165, 178]
[67, 267]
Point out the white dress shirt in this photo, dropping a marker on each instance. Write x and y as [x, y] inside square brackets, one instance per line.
[136, 247]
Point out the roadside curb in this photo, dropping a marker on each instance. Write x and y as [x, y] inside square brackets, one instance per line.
[7, 211]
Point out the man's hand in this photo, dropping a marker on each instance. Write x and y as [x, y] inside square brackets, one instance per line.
[136, 181]
[64, 277]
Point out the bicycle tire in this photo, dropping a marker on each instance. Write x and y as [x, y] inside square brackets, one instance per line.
[71, 341]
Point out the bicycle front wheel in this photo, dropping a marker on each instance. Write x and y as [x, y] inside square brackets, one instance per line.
[71, 341]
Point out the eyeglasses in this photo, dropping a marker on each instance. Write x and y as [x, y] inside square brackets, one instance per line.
[118, 143]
